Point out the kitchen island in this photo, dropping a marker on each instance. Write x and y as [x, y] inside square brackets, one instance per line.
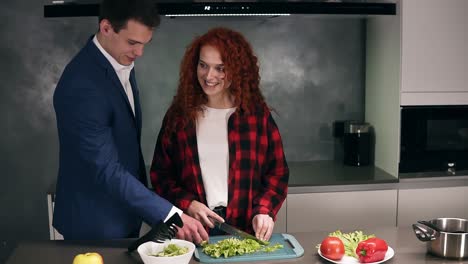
[408, 250]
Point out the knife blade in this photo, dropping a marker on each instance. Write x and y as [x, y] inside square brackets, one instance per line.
[237, 232]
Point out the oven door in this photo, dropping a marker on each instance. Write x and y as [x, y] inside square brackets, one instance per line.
[434, 138]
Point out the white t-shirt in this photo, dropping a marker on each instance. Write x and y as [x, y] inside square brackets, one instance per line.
[213, 152]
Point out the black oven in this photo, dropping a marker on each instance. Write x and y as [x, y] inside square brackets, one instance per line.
[434, 139]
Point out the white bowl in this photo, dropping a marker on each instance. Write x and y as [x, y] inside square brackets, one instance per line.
[151, 248]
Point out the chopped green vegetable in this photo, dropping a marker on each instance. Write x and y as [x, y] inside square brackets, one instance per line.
[230, 247]
[350, 240]
[172, 250]
[272, 247]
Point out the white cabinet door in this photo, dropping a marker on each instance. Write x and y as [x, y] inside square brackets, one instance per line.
[346, 211]
[434, 52]
[280, 224]
[427, 204]
[53, 233]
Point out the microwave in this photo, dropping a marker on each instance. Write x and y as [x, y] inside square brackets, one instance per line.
[434, 139]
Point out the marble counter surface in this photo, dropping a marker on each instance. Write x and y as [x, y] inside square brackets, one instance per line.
[322, 173]
[333, 176]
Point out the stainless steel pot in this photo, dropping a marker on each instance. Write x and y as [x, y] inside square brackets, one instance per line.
[445, 237]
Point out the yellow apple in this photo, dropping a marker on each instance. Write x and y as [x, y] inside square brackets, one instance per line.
[88, 258]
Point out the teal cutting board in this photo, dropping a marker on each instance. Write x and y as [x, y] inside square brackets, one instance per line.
[291, 249]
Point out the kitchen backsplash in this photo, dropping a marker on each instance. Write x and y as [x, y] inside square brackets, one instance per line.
[312, 72]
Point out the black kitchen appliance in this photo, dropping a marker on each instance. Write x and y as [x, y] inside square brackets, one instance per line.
[357, 143]
[433, 139]
[353, 142]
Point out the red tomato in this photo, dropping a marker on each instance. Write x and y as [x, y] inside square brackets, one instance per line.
[332, 248]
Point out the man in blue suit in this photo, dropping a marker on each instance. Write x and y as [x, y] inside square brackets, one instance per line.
[102, 187]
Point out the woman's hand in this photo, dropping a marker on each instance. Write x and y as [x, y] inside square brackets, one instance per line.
[263, 226]
[203, 214]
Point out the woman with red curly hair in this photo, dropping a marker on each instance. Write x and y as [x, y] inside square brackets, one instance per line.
[219, 153]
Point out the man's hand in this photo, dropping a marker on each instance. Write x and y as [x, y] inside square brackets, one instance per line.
[263, 226]
[193, 230]
[203, 214]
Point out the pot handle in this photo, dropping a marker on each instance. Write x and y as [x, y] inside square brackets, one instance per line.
[425, 233]
[429, 224]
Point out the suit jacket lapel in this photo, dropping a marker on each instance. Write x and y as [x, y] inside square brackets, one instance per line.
[136, 101]
[111, 74]
[117, 84]
[115, 79]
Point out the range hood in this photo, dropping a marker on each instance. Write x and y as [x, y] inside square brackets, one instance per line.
[174, 8]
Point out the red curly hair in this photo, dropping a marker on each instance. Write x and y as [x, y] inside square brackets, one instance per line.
[241, 68]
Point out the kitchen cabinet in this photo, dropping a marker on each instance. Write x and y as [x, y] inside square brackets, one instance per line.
[382, 99]
[419, 57]
[53, 233]
[280, 224]
[341, 210]
[434, 52]
[430, 203]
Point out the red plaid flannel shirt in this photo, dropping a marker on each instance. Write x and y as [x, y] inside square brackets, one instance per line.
[258, 172]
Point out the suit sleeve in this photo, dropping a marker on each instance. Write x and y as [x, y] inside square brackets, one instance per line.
[88, 118]
[275, 175]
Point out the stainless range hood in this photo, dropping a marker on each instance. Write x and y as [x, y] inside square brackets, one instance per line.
[174, 8]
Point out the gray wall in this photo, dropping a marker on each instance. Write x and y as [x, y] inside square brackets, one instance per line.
[312, 73]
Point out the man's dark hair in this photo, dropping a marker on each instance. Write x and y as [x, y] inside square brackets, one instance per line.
[118, 12]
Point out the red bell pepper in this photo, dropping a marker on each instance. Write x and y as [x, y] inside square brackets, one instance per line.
[371, 250]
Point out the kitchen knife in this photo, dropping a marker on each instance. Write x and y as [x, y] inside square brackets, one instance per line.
[237, 232]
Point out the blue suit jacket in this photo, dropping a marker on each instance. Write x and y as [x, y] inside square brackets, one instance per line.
[101, 188]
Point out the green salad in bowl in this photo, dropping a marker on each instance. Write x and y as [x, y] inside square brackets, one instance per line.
[172, 251]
